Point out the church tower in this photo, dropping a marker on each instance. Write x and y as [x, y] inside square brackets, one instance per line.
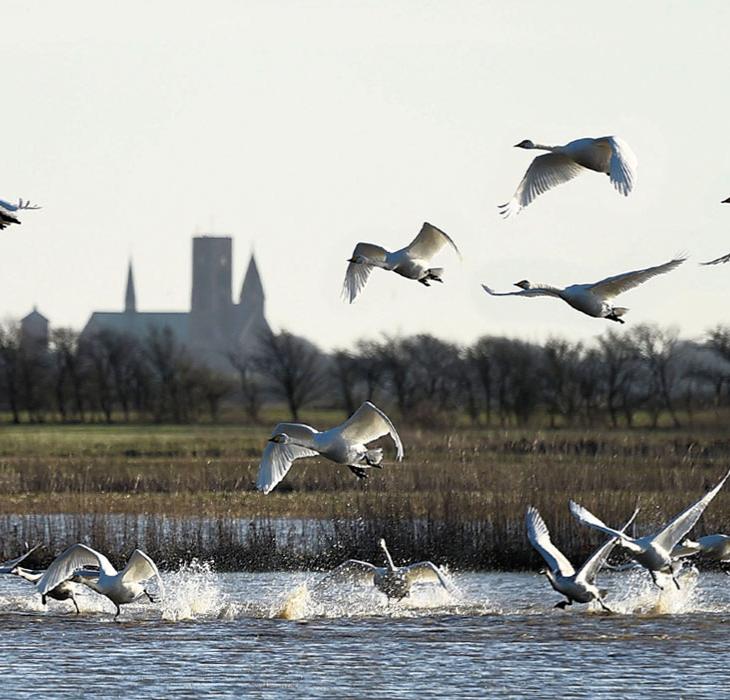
[130, 298]
[252, 322]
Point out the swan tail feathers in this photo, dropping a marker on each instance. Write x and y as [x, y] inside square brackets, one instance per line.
[435, 273]
[620, 310]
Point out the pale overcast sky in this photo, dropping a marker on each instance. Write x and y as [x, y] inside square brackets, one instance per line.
[301, 128]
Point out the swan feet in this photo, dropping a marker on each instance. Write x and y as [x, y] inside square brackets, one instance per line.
[424, 281]
[656, 583]
[563, 604]
[359, 472]
[613, 317]
[149, 595]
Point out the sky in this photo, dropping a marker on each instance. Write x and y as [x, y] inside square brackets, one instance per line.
[301, 128]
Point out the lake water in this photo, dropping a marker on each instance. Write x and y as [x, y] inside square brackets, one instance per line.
[219, 635]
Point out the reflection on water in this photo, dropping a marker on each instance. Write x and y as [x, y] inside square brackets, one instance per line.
[499, 636]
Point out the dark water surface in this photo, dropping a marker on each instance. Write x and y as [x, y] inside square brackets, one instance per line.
[218, 635]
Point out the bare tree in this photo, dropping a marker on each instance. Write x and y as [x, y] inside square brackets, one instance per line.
[249, 382]
[10, 367]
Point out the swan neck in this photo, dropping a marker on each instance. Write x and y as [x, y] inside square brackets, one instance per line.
[542, 147]
[391, 565]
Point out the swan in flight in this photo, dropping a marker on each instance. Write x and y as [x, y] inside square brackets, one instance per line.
[717, 261]
[654, 552]
[344, 444]
[394, 581]
[82, 564]
[411, 262]
[608, 154]
[63, 591]
[7, 567]
[577, 587]
[712, 547]
[592, 299]
[8, 212]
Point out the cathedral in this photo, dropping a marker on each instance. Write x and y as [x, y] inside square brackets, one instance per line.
[215, 326]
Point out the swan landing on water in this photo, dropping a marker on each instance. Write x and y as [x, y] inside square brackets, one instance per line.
[607, 154]
[654, 552]
[394, 581]
[577, 587]
[345, 444]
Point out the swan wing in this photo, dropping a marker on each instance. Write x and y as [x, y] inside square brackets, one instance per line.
[139, 568]
[612, 286]
[350, 571]
[717, 261]
[369, 423]
[426, 572]
[429, 241]
[278, 457]
[8, 206]
[594, 563]
[585, 517]
[533, 292]
[357, 274]
[622, 166]
[7, 216]
[539, 537]
[545, 172]
[62, 568]
[674, 532]
[7, 566]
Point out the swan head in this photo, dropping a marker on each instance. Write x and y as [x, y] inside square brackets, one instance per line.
[280, 438]
[523, 284]
[358, 260]
[690, 544]
[525, 144]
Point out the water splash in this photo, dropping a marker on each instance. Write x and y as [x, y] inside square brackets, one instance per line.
[191, 592]
[640, 596]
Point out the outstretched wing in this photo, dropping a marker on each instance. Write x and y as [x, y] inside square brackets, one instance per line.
[717, 261]
[65, 564]
[8, 206]
[351, 571]
[532, 292]
[545, 172]
[622, 167]
[7, 566]
[675, 531]
[428, 572]
[7, 216]
[369, 423]
[139, 568]
[278, 457]
[594, 563]
[429, 241]
[612, 286]
[357, 274]
[585, 517]
[539, 537]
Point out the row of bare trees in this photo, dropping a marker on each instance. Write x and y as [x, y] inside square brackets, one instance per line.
[644, 370]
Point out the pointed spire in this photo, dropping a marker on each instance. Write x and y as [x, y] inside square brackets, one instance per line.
[252, 290]
[130, 298]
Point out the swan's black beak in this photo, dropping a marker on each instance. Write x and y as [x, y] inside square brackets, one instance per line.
[271, 440]
[350, 259]
[725, 201]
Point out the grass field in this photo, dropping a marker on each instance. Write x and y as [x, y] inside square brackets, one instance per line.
[458, 498]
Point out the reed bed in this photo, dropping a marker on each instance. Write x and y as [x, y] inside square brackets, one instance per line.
[459, 497]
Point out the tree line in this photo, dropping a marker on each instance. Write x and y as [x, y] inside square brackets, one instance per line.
[645, 370]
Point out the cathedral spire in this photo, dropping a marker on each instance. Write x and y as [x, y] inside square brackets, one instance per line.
[252, 290]
[130, 298]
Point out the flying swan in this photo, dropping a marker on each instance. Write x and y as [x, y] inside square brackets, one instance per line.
[8, 212]
[608, 154]
[577, 587]
[344, 444]
[653, 552]
[7, 567]
[411, 262]
[394, 581]
[711, 547]
[592, 299]
[82, 564]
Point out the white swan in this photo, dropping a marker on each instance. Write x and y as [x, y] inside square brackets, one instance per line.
[82, 564]
[8, 212]
[712, 547]
[7, 567]
[607, 154]
[411, 262]
[592, 299]
[344, 444]
[394, 581]
[580, 586]
[63, 591]
[654, 552]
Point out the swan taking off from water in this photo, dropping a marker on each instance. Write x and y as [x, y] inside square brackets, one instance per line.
[394, 581]
[608, 154]
[580, 586]
[711, 547]
[8, 212]
[345, 444]
[592, 299]
[63, 591]
[411, 262]
[7, 567]
[653, 552]
[82, 564]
